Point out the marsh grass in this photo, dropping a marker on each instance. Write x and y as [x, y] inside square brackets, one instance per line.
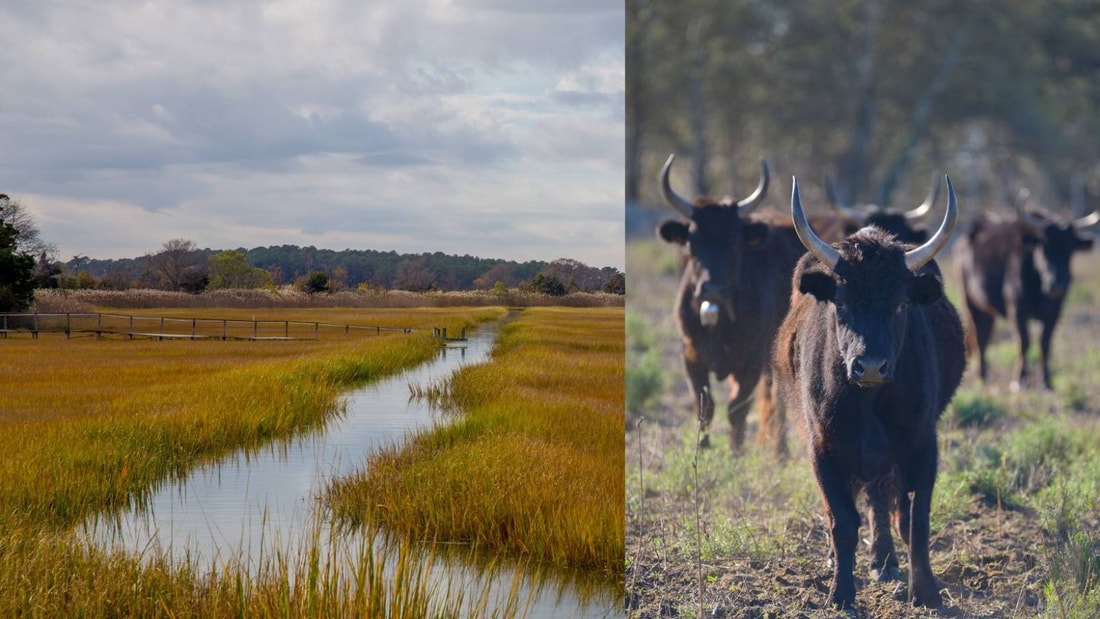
[91, 426]
[533, 466]
[52, 574]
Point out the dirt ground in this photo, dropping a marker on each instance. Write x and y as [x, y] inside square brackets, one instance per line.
[990, 562]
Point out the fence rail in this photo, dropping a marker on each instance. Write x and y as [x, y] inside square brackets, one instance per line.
[164, 327]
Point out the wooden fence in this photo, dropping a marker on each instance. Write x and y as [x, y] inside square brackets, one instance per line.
[163, 328]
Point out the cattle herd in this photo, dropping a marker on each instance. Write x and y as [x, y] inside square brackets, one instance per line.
[840, 321]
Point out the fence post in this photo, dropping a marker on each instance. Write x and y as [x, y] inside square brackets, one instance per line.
[286, 329]
[255, 331]
[192, 328]
[68, 324]
[316, 330]
[225, 327]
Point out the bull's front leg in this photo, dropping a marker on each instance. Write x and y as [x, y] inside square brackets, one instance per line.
[773, 415]
[923, 590]
[835, 485]
[702, 400]
[1023, 339]
[741, 391]
[1044, 349]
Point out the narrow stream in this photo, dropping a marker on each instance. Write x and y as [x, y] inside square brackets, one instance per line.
[259, 504]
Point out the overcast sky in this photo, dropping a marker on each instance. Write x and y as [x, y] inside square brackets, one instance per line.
[484, 127]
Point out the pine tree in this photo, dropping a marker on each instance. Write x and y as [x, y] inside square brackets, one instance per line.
[16, 272]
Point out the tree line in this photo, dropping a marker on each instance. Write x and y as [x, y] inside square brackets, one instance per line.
[26, 264]
[879, 94]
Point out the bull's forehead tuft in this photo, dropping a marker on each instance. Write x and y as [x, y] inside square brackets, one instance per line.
[871, 258]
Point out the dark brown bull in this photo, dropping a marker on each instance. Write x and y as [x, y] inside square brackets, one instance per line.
[734, 292]
[1018, 269]
[871, 353]
[904, 225]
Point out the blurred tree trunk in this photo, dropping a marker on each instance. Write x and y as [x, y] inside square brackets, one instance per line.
[854, 162]
[921, 117]
[637, 115]
[697, 112]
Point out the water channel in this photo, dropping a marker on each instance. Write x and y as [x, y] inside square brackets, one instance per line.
[260, 504]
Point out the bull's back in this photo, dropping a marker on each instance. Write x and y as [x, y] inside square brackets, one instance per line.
[984, 257]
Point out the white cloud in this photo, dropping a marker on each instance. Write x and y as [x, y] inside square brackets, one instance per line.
[337, 123]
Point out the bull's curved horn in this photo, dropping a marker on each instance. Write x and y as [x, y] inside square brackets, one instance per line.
[1077, 204]
[849, 215]
[824, 252]
[1087, 221]
[756, 197]
[677, 202]
[922, 211]
[918, 257]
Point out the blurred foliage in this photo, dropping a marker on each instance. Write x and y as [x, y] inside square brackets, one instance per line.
[880, 94]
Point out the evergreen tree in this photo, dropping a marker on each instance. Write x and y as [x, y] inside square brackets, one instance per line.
[16, 272]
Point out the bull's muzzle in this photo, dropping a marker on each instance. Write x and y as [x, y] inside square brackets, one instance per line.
[871, 371]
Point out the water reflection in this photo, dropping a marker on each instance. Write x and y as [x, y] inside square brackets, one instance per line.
[262, 505]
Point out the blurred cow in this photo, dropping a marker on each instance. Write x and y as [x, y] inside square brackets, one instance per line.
[1018, 268]
[904, 225]
[734, 291]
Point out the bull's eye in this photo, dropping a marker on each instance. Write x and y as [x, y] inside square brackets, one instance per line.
[901, 307]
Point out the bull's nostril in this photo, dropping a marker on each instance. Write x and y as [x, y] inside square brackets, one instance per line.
[857, 369]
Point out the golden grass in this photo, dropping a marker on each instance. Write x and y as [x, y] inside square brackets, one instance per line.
[534, 465]
[91, 425]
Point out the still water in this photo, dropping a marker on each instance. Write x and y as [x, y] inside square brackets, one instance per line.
[262, 504]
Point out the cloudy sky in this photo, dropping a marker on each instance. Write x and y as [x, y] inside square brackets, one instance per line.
[484, 127]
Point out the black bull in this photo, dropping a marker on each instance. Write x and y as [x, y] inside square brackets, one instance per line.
[870, 355]
[734, 291]
[1017, 269]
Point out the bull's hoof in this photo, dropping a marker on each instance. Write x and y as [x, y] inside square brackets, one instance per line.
[704, 443]
[927, 595]
[887, 574]
[930, 599]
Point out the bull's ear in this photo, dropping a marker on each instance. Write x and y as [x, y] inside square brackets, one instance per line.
[672, 231]
[925, 288]
[1084, 243]
[819, 284]
[755, 233]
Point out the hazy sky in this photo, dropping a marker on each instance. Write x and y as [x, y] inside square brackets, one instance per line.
[484, 127]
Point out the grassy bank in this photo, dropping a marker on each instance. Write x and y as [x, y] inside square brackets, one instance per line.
[534, 464]
[90, 425]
